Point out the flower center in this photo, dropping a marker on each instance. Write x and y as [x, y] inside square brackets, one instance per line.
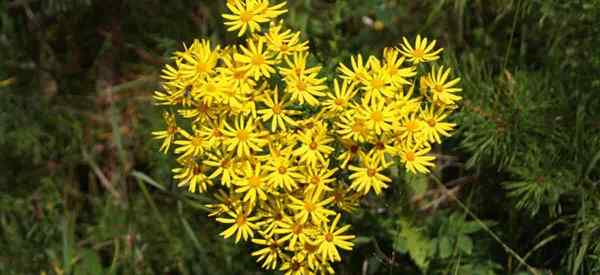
[371, 172]
[377, 116]
[282, 169]
[315, 180]
[297, 229]
[301, 85]
[239, 74]
[258, 60]
[418, 53]
[313, 145]
[377, 83]
[309, 206]
[358, 127]
[276, 109]
[241, 220]
[339, 101]
[225, 163]
[197, 142]
[254, 181]
[246, 16]
[328, 237]
[438, 88]
[410, 156]
[217, 133]
[202, 67]
[243, 135]
[431, 122]
[412, 126]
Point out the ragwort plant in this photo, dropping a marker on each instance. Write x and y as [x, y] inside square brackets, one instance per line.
[285, 153]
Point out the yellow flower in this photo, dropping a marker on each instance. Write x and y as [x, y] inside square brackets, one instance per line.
[410, 129]
[199, 59]
[284, 43]
[350, 152]
[226, 202]
[294, 231]
[340, 99]
[243, 139]
[282, 172]
[440, 89]
[192, 146]
[192, 175]
[271, 212]
[295, 266]
[253, 184]
[351, 126]
[242, 225]
[422, 52]
[270, 253]
[313, 148]
[376, 84]
[311, 207]
[259, 62]
[201, 112]
[435, 125]
[331, 238]
[276, 111]
[415, 159]
[296, 66]
[368, 176]
[396, 74]
[378, 117]
[167, 135]
[225, 167]
[317, 178]
[358, 72]
[246, 15]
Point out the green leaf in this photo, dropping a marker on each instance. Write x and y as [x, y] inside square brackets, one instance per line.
[444, 247]
[465, 244]
[90, 264]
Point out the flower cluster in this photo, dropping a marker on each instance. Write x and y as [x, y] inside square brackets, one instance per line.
[284, 150]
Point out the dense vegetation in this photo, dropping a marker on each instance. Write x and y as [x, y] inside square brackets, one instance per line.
[84, 190]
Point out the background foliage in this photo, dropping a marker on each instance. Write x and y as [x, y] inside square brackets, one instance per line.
[84, 190]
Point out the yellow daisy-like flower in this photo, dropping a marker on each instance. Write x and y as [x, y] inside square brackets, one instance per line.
[318, 178]
[340, 99]
[441, 90]
[294, 231]
[192, 175]
[358, 72]
[351, 126]
[331, 238]
[377, 116]
[312, 206]
[397, 74]
[191, 146]
[249, 14]
[199, 59]
[242, 225]
[282, 172]
[314, 147]
[270, 253]
[284, 43]
[415, 159]
[259, 62]
[167, 135]
[422, 52]
[254, 184]
[243, 138]
[435, 125]
[224, 165]
[368, 176]
[276, 111]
